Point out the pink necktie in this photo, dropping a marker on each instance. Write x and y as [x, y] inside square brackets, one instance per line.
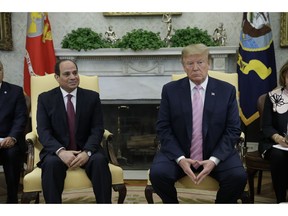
[197, 141]
[71, 123]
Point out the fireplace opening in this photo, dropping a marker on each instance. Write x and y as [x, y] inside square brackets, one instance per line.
[133, 126]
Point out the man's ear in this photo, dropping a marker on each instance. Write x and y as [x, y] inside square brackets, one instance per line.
[56, 77]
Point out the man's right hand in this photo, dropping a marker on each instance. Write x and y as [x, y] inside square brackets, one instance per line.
[185, 164]
[67, 156]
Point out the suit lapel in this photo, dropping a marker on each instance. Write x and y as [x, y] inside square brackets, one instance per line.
[186, 105]
[62, 110]
[4, 92]
[79, 106]
[210, 99]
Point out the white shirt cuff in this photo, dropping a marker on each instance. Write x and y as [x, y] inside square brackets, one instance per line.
[178, 159]
[57, 152]
[215, 160]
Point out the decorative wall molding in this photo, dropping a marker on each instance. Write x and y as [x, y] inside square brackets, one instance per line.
[6, 42]
[284, 29]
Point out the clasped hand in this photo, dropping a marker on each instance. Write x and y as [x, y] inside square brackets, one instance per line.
[7, 142]
[186, 164]
[73, 159]
[284, 141]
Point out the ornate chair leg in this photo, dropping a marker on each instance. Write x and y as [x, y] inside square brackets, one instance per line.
[149, 194]
[251, 173]
[122, 191]
[37, 200]
[260, 172]
[245, 198]
[29, 196]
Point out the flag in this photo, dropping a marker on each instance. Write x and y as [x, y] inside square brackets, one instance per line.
[256, 66]
[39, 57]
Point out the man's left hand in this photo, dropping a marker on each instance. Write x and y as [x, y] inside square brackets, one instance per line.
[208, 166]
[79, 160]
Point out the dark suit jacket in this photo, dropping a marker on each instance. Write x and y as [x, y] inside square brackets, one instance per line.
[52, 126]
[221, 122]
[13, 113]
[272, 123]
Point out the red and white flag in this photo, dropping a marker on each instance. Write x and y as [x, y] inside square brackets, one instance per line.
[40, 54]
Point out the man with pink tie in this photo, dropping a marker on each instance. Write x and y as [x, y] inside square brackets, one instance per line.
[198, 126]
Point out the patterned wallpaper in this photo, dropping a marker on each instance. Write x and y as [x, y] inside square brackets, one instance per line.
[63, 23]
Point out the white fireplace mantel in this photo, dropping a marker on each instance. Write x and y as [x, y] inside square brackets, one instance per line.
[139, 75]
[222, 50]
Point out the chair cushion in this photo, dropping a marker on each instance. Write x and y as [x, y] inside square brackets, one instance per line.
[208, 183]
[75, 179]
[253, 160]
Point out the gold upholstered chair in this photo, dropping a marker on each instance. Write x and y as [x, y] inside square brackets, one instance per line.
[76, 178]
[208, 183]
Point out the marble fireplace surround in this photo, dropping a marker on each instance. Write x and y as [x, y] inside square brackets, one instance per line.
[126, 75]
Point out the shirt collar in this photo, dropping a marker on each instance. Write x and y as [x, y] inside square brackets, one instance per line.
[203, 84]
[279, 100]
[64, 93]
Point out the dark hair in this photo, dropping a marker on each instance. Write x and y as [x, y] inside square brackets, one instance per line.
[282, 74]
[57, 65]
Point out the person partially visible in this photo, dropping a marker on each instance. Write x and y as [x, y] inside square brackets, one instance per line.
[71, 143]
[13, 120]
[216, 136]
[273, 145]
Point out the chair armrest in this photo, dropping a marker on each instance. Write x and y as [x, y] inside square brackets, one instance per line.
[108, 147]
[31, 139]
[241, 139]
[240, 146]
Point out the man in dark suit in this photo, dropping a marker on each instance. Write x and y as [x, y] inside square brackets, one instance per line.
[218, 133]
[57, 154]
[13, 119]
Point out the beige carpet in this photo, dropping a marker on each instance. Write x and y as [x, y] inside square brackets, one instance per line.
[135, 195]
